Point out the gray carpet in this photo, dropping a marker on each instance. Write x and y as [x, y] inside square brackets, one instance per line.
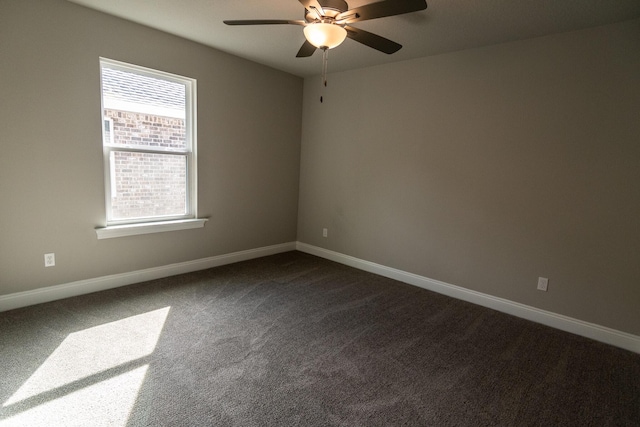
[292, 339]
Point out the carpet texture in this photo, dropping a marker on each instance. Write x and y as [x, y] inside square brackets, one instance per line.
[295, 340]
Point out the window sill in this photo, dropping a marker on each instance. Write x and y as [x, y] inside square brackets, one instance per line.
[148, 228]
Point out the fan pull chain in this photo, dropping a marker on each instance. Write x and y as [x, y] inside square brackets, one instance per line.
[325, 67]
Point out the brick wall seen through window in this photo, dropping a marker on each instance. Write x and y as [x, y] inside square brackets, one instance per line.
[147, 184]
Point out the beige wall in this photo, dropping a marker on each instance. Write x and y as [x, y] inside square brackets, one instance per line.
[51, 174]
[484, 168]
[487, 168]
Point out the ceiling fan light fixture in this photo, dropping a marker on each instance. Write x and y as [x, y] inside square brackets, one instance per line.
[324, 36]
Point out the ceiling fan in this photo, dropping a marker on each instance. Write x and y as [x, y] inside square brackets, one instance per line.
[327, 23]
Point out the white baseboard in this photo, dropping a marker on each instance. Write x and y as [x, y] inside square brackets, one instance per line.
[590, 330]
[81, 287]
[558, 321]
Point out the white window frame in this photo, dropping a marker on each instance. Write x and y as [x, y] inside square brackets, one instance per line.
[108, 120]
[125, 227]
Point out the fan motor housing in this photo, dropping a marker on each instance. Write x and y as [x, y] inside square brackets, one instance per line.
[331, 9]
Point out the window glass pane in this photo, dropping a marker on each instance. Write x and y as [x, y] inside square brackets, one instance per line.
[144, 111]
[148, 185]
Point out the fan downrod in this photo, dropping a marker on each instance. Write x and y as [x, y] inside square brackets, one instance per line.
[330, 8]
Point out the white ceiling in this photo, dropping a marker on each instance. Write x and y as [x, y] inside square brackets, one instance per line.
[445, 26]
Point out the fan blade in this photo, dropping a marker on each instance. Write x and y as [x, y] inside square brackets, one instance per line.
[306, 50]
[381, 9]
[312, 4]
[372, 40]
[264, 22]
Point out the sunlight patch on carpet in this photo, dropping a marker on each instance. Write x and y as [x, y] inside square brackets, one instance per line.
[95, 372]
[107, 403]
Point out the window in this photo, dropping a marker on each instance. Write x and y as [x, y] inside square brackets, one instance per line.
[148, 143]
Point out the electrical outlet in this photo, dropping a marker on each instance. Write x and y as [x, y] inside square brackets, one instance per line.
[543, 283]
[325, 232]
[49, 260]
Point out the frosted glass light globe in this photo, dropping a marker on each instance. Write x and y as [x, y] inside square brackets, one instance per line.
[323, 35]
